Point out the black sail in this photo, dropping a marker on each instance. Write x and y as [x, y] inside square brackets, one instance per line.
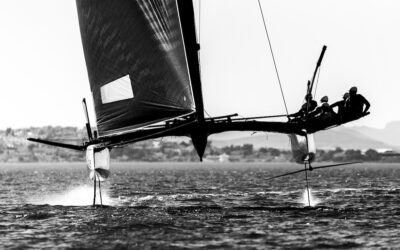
[136, 62]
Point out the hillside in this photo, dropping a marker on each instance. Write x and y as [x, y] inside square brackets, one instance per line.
[346, 138]
[390, 134]
[15, 148]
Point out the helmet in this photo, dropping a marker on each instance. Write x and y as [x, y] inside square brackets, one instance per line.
[308, 96]
[324, 99]
[353, 90]
[345, 96]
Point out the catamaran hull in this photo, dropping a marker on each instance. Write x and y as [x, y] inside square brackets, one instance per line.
[303, 148]
[98, 162]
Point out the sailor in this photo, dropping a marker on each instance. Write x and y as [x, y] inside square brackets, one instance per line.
[342, 110]
[323, 113]
[318, 110]
[306, 108]
[357, 104]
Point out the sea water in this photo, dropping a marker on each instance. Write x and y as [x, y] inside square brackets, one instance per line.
[199, 206]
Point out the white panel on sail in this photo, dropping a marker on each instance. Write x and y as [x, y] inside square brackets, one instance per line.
[118, 90]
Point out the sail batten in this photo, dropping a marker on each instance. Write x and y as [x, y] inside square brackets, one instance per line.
[140, 42]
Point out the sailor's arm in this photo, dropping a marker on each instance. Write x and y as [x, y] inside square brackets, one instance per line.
[335, 104]
[296, 114]
[315, 112]
[367, 104]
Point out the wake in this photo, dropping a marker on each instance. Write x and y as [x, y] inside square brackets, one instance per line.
[304, 198]
[79, 196]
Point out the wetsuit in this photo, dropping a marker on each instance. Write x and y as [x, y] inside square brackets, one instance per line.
[356, 104]
[342, 108]
[306, 108]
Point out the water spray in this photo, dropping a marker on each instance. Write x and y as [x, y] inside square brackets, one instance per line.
[308, 190]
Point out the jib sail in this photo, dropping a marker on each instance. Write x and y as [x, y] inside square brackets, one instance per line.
[136, 62]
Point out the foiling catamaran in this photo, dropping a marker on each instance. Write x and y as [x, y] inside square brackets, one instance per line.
[144, 72]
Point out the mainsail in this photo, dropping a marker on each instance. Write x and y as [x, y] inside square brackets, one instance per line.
[136, 62]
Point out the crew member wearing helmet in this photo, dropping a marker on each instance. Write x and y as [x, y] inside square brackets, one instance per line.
[357, 104]
[342, 105]
[323, 113]
[306, 108]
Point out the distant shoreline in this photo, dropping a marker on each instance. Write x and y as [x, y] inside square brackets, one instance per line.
[235, 165]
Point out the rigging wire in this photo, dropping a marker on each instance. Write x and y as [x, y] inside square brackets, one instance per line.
[273, 57]
[316, 84]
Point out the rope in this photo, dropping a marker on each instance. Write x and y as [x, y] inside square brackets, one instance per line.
[273, 57]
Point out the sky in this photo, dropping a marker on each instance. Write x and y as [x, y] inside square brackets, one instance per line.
[44, 77]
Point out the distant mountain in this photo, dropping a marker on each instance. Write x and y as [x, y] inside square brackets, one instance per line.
[389, 135]
[258, 140]
[346, 138]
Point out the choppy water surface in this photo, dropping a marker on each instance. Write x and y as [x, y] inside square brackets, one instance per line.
[203, 206]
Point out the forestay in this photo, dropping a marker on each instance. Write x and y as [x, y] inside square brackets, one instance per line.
[136, 62]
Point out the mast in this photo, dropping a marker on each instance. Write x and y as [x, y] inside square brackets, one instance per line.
[186, 13]
[310, 85]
